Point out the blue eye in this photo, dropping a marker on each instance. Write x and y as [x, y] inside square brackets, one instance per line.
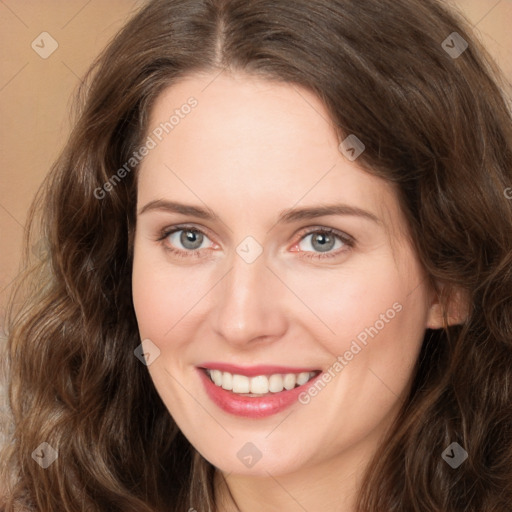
[324, 243]
[318, 243]
[191, 239]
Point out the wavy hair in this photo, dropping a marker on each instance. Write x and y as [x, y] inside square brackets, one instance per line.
[436, 124]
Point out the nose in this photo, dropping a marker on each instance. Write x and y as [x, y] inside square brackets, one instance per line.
[249, 305]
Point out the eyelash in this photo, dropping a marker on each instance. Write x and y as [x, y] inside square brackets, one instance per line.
[347, 240]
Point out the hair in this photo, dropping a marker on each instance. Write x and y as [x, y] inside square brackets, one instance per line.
[439, 128]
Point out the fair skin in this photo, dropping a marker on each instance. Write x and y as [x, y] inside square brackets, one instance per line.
[250, 150]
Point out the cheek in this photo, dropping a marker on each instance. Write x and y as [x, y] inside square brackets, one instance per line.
[149, 298]
[373, 314]
[163, 294]
[378, 317]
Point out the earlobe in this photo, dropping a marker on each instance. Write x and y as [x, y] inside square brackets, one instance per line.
[447, 310]
[435, 316]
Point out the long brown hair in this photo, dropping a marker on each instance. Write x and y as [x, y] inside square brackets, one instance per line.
[435, 121]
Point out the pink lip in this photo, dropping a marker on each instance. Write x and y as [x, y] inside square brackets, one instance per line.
[253, 371]
[253, 407]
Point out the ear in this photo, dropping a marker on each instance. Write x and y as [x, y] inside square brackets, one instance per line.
[449, 306]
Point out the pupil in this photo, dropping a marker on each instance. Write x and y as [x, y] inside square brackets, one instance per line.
[326, 242]
[191, 239]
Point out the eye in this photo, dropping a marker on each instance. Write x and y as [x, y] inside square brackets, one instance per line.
[324, 243]
[184, 240]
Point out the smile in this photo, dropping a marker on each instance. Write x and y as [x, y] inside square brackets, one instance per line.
[255, 392]
[260, 384]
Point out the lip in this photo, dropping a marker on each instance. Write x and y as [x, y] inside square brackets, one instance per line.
[252, 407]
[253, 371]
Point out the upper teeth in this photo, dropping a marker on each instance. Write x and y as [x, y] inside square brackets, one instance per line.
[260, 384]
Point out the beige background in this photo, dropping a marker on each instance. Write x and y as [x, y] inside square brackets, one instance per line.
[35, 93]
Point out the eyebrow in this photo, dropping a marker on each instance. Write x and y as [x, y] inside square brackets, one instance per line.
[286, 216]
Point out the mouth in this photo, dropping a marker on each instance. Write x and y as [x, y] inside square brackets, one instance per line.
[259, 385]
[255, 392]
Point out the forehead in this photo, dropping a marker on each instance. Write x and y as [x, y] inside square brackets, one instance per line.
[250, 143]
[243, 119]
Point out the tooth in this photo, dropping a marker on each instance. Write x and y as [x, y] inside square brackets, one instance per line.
[227, 381]
[259, 384]
[275, 383]
[302, 378]
[240, 384]
[289, 381]
[216, 376]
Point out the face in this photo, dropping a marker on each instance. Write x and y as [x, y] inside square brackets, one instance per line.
[266, 260]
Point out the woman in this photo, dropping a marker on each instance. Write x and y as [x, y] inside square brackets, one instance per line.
[278, 270]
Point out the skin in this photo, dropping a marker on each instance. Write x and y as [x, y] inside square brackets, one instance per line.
[250, 150]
